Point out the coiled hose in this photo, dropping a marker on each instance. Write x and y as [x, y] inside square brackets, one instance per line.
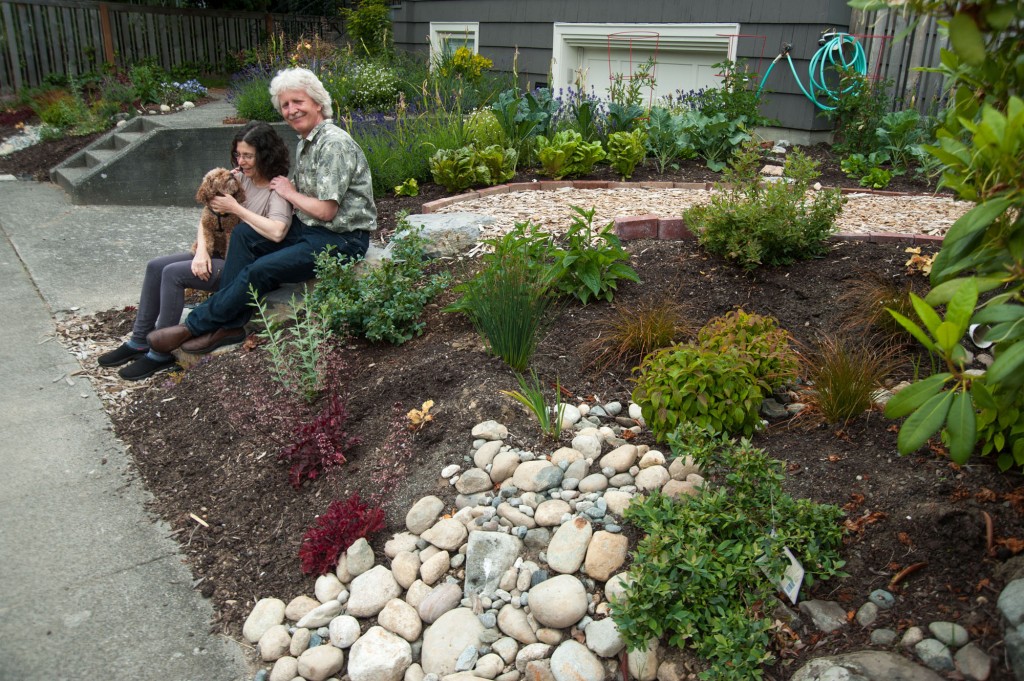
[825, 57]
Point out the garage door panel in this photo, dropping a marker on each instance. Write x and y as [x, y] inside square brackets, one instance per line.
[675, 70]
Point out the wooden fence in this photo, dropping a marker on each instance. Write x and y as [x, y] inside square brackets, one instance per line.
[899, 60]
[39, 37]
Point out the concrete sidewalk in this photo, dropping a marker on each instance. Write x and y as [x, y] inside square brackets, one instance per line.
[92, 587]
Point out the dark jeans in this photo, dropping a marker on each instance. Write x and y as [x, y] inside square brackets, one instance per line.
[265, 264]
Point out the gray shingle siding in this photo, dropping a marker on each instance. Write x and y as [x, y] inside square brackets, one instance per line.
[506, 25]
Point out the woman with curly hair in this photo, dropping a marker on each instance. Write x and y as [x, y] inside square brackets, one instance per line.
[258, 155]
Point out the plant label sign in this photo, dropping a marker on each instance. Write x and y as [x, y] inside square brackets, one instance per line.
[793, 577]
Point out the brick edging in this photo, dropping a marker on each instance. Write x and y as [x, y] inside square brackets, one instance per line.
[651, 226]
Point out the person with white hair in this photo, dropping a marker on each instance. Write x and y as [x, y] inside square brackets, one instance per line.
[332, 194]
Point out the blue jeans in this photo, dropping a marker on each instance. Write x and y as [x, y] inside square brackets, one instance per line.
[255, 260]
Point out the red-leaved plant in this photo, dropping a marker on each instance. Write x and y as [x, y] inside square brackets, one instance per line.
[335, 531]
[318, 444]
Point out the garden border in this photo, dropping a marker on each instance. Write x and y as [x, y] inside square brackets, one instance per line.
[652, 226]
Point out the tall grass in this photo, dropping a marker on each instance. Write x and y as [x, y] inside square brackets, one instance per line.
[845, 374]
[628, 333]
[868, 299]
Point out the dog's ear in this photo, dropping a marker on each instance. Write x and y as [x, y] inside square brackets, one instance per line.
[206, 190]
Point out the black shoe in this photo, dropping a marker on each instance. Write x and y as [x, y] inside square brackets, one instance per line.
[144, 367]
[124, 353]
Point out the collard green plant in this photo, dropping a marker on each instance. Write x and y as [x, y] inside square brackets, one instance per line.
[901, 134]
[385, 303]
[667, 141]
[981, 144]
[756, 223]
[688, 384]
[567, 155]
[626, 150]
[703, 576]
[592, 263]
[868, 170]
[765, 348]
[714, 138]
[531, 395]
[520, 127]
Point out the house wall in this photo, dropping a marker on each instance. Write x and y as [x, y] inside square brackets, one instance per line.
[520, 32]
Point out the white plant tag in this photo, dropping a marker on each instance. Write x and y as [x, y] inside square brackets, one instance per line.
[793, 577]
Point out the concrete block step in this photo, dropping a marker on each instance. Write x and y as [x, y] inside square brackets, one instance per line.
[96, 157]
[123, 140]
[67, 176]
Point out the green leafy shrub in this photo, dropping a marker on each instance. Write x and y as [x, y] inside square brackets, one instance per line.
[483, 129]
[459, 169]
[1000, 423]
[509, 296]
[364, 86]
[627, 150]
[250, 94]
[754, 223]
[687, 384]
[714, 138]
[520, 124]
[628, 333]
[867, 170]
[764, 347]
[148, 82]
[901, 134]
[368, 26]
[844, 376]
[698, 576]
[858, 105]
[667, 141]
[737, 97]
[567, 155]
[591, 264]
[386, 302]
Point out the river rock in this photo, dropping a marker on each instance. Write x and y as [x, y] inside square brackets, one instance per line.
[568, 546]
[488, 556]
[274, 643]
[603, 637]
[503, 466]
[360, 557]
[558, 602]
[536, 476]
[406, 568]
[872, 665]
[344, 631]
[440, 600]
[446, 639]
[326, 588]
[571, 661]
[379, 655]
[620, 459]
[266, 613]
[321, 615]
[489, 430]
[285, 669]
[605, 554]
[423, 514]
[320, 663]
[435, 567]
[400, 618]
[549, 513]
[473, 481]
[512, 622]
[484, 456]
[371, 591]
[446, 534]
[402, 541]
[299, 607]
[643, 664]
[652, 478]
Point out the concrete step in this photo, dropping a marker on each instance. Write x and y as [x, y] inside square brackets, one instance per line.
[123, 140]
[97, 157]
[67, 176]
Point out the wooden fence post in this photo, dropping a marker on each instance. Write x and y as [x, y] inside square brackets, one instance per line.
[108, 35]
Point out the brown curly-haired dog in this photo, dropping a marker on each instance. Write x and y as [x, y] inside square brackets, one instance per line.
[217, 227]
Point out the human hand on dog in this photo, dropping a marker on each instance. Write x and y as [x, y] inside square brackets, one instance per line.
[201, 265]
[224, 204]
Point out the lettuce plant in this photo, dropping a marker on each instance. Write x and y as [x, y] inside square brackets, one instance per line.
[567, 154]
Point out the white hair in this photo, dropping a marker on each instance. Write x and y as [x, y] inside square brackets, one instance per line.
[300, 79]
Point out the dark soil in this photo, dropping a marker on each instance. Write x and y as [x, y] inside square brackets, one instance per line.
[206, 443]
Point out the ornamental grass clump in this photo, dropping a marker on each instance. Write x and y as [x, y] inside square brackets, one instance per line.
[625, 334]
[706, 572]
[844, 376]
[531, 395]
[867, 300]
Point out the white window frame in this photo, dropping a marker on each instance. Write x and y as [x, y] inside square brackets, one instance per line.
[569, 39]
[439, 30]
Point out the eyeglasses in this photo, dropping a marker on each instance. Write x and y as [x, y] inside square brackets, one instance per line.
[243, 157]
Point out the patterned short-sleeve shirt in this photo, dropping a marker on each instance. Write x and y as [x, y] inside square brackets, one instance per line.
[330, 166]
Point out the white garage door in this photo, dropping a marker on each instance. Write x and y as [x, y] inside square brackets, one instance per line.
[685, 53]
[675, 70]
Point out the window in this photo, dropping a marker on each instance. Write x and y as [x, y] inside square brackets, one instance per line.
[448, 36]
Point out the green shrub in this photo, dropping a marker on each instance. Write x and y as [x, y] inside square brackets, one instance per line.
[508, 298]
[591, 264]
[1000, 424]
[626, 150]
[368, 26]
[250, 93]
[687, 384]
[859, 104]
[776, 223]
[901, 133]
[698, 576]
[148, 82]
[737, 97]
[764, 347]
[483, 129]
[361, 86]
[386, 302]
[567, 155]
[294, 348]
[844, 375]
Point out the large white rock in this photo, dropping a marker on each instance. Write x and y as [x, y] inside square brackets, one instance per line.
[652, 478]
[488, 556]
[603, 637]
[512, 622]
[379, 655]
[446, 638]
[371, 591]
[571, 661]
[486, 453]
[615, 587]
[503, 466]
[489, 430]
[266, 613]
[558, 602]
[620, 458]
[285, 669]
[327, 587]
[321, 615]
[568, 546]
[319, 663]
[447, 234]
[360, 557]
[587, 445]
[643, 664]
[406, 568]
[274, 643]
[400, 618]
[423, 514]
[401, 541]
[446, 534]
[550, 512]
[435, 567]
[344, 631]
[299, 607]
[536, 476]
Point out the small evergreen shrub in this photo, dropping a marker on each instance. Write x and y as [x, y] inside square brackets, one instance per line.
[687, 384]
[754, 223]
[386, 303]
[757, 340]
[337, 529]
[705, 573]
[319, 444]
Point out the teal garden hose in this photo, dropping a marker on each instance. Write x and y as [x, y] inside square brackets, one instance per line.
[833, 52]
